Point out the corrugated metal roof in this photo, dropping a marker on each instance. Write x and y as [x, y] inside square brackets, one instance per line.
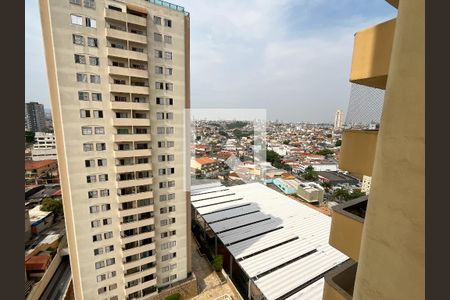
[280, 243]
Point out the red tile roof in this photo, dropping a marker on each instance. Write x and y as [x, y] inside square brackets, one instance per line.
[205, 160]
[31, 165]
[37, 262]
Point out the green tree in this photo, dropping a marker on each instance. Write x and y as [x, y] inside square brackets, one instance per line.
[286, 142]
[325, 152]
[176, 296]
[338, 143]
[326, 186]
[55, 206]
[29, 137]
[217, 263]
[341, 194]
[310, 174]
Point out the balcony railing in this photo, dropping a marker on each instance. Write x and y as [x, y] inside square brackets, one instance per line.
[340, 282]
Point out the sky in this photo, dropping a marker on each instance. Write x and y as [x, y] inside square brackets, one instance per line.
[290, 57]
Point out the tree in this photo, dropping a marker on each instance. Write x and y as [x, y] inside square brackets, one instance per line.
[29, 137]
[310, 174]
[341, 194]
[325, 152]
[217, 263]
[286, 142]
[176, 296]
[338, 143]
[55, 206]
[326, 186]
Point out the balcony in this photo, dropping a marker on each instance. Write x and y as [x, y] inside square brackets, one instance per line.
[132, 137]
[124, 17]
[133, 168]
[141, 286]
[137, 250]
[372, 54]
[123, 71]
[130, 105]
[137, 237]
[137, 223]
[117, 52]
[139, 262]
[132, 197]
[339, 283]
[125, 88]
[134, 182]
[130, 122]
[124, 35]
[134, 211]
[347, 226]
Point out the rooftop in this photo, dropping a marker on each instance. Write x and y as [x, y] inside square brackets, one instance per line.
[205, 160]
[170, 5]
[32, 165]
[281, 244]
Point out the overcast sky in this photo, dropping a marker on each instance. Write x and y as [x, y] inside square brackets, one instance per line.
[291, 57]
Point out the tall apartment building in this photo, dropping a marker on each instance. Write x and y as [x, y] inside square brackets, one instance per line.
[44, 147]
[338, 119]
[119, 84]
[34, 117]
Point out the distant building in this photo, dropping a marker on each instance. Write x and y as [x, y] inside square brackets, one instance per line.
[44, 147]
[34, 117]
[320, 166]
[35, 170]
[40, 220]
[204, 164]
[338, 119]
[335, 178]
[365, 185]
[310, 192]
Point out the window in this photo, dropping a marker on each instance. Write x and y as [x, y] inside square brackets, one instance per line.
[89, 3]
[113, 286]
[106, 207]
[101, 277]
[92, 194]
[162, 184]
[92, 42]
[158, 54]
[170, 170]
[86, 130]
[88, 147]
[91, 23]
[169, 101]
[78, 39]
[99, 264]
[94, 61]
[170, 144]
[84, 96]
[168, 55]
[95, 78]
[77, 2]
[101, 290]
[97, 237]
[94, 209]
[101, 162]
[161, 158]
[82, 77]
[168, 245]
[99, 130]
[157, 37]
[107, 221]
[103, 178]
[158, 70]
[110, 261]
[98, 114]
[104, 193]
[162, 172]
[167, 23]
[76, 20]
[97, 96]
[156, 20]
[173, 277]
[169, 130]
[100, 146]
[91, 179]
[80, 59]
[168, 256]
[169, 71]
[162, 198]
[89, 163]
[163, 222]
[167, 39]
[171, 183]
[170, 157]
[169, 86]
[109, 248]
[159, 85]
[144, 202]
[95, 224]
[159, 116]
[108, 235]
[85, 113]
[169, 116]
[98, 251]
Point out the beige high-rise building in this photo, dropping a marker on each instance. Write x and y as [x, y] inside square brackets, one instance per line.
[119, 85]
[338, 119]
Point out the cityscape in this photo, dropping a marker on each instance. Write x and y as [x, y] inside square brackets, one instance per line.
[134, 192]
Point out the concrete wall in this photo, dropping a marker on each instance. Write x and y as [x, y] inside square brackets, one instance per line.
[358, 151]
[392, 257]
[187, 290]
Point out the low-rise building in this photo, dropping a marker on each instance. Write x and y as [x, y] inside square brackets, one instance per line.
[205, 165]
[310, 192]
[35, 170]
[40, 220]
[337, 178]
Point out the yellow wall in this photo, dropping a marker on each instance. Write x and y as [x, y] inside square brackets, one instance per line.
[392, 256]
[358, 151]
[345, 234]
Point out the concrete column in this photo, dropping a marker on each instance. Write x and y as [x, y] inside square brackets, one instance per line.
[392, 256]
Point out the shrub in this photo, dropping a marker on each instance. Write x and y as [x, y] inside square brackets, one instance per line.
[176, 296]
[217, 263]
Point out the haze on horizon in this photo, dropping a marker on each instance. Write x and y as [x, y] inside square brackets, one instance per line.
[290, 57]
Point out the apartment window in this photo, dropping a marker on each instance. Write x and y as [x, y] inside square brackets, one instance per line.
[80, 59]
[157, 37]
[99, 130]
[104, 193]
[158, 54]
[76, 20]
[98, 114]
[168, 55]
[94, 61]
[169, 71]
[100, 146]
[85, 113]
[168, 245]
[95, 78]
[101, 277]
[170, 170]
[168, 256]
[161, 158]
[159, 101]
[171, 196]
[159, 85]
[103, 178]
[101, 290]
[164, 222]
[94, 209]
[158, 70]
[86, 130]
[88, 147]
[144, 202]
[78, 39]
[167, 39]
[169, 101]
[91, 23]
[98, 251]
[169, 130]
[169, 86]
[82, 77]
[162, 172]
[156, 20]
[167, 23]
[113, 287]
[162, 198]
[173, 277]
[171, 183]
[107, 221]
[92, 42]
[101, 162]
[91, 179]
[169, 116]
[110, 261]
[92, 194]
[97, 237]
[77, 2]
[97, 96]
[108, 235]
[95, 223]
[89, 163]
[109, 248]
[84, 96]
[142, 160]
[89, 3]
[106, 207]
[99, 264]
[160, 116]
[170, 157]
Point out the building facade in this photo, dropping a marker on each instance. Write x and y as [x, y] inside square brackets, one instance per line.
[119, 85]
[338, 119]
[44, 147]
[34, 117]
